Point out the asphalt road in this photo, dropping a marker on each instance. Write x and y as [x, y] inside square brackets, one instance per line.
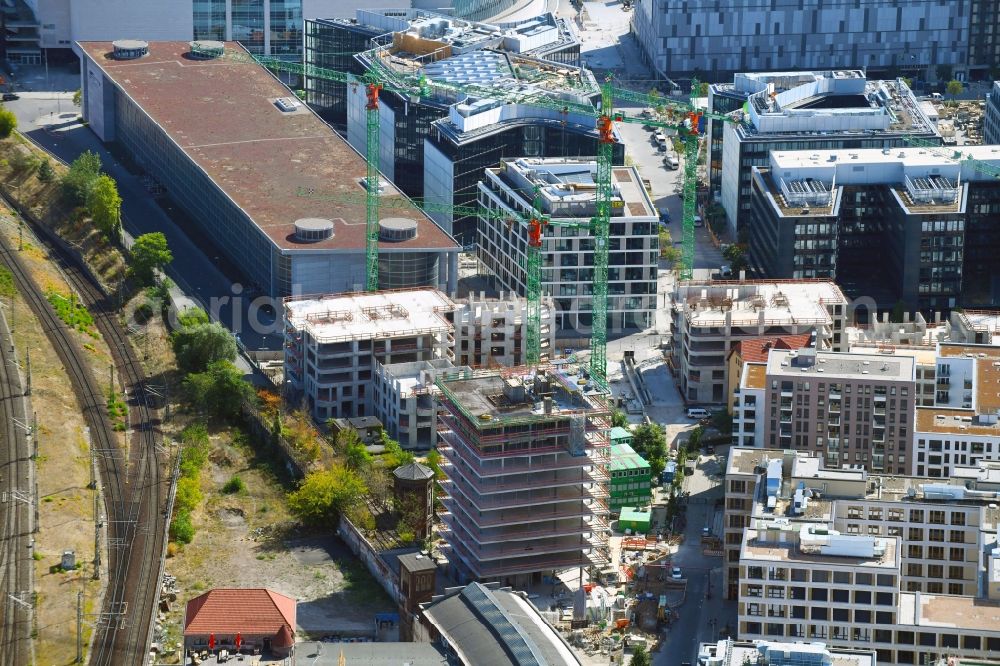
[49, 119]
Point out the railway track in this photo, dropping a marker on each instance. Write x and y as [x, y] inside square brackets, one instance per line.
[134, 488]
[16, 513]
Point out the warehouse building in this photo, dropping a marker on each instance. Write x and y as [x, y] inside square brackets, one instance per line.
[231, 147]
[566, 192]
[906, 225]
[893, 563]
[821, 110]
[525, 452]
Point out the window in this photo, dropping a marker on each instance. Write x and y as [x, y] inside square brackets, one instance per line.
[956, 588]
[818, 594]
[863, 579]
[842, 577]
[957, 518]
[916, 515]
[935, 553]
[863, 597]
[956, 536]
[956, 573]
[819, 613]
[937, 517]
[821, 576]
[956, 554]
[841, 596]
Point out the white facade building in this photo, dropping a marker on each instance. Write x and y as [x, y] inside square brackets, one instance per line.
[566, 192]
[491, 332]
[333, 344]
[406, 399]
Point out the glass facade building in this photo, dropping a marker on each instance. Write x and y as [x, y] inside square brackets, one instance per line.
[271, 27]
[210, 19]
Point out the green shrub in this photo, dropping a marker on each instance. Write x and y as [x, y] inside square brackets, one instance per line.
[181, 528]
[234, 485]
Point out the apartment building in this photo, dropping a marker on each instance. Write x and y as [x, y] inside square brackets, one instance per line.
[756, 351]
[846, 557]
[525, 452]
[905, 225]
[565, 191]
[333, 344]
[963, 425]
[710, 317]
[913, 37]
[405, 399]
[787, 111]
[492, 332]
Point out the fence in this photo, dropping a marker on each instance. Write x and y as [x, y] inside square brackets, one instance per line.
[365, 551]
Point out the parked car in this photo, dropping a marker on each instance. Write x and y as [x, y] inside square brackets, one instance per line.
[705, 531]
[697, 413]
[10, 97]
[698, 222]
[676, 574]
[671, 162]
[725, 272]
[664, 216]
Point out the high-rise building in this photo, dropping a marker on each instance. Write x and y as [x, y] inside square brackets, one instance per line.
[896, 564]
[991, 117]
[802, 111]
[526, 454]
[912, 37]
[895, 225]
[566, 192]
[709, 318]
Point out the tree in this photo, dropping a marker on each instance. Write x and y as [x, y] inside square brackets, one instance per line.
[202, 344]
[45, 171]
[649, 441]
[324, 494]
[8, 123]
[105, 206]
[703, 89]
[192, 317]
[619, 419]
[736, 255]
[220, 390]
[434, 462]
[394, 456]
[80, 177]
[350, 446]
[954, 88]
[639, 656]
[78, 97]
[149, 254]
[908, 81]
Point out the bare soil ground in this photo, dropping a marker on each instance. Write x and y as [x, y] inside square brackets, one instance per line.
[248, 539]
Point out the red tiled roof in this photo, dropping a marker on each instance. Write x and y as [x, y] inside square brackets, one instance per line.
[283, 639]
[250, 611]
[756, 350]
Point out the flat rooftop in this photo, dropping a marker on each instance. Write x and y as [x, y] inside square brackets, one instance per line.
[494, 396]
[868, 166]
[707, 303]
[744, 460]
[841, 365]
[754, 549]
[953, 349]
[747, 652]
[371, 315]
[755, 375]
[953, 422]
[939, 610]
[222, 114]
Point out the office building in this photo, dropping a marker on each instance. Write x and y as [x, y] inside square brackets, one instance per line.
[912, 38]
[984, 39]
[492, 332]
[333, 42]
[629, 477]
[854, 409]
[891, 563]
[267, 27]
[333, 344]
[435, 145]
[710, 317]
[525, 452]
[991, 117]
[231, 147]
[566, 192]
[963, 426]
[405, 400]
[731, 652]
[821, 110]
[905, 225]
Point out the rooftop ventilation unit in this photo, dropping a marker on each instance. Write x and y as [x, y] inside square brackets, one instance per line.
[287, 104]
[207, 49]
[397, 229]
[129, 49]
[313, 229]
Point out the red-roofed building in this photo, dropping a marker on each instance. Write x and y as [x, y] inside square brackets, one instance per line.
[264, 620]
[755, 350]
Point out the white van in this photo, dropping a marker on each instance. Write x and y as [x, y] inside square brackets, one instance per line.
[671, 161]
[697, 413]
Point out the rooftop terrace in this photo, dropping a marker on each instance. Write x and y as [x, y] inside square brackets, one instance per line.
[223, 115]
[707, 303]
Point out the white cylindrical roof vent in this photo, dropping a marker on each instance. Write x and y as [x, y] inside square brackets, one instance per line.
[313, 229]
[206, 49]
[395, 229]
[129, 49]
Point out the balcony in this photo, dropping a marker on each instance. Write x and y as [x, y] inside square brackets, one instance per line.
[555, 459]
[878, 411]
[522, 531]
[834, 408]
[460, 507]
[556, 496]
[535, 480]
[879, 398]
[497, 568]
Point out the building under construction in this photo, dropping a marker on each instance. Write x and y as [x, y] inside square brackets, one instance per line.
[525, 451]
